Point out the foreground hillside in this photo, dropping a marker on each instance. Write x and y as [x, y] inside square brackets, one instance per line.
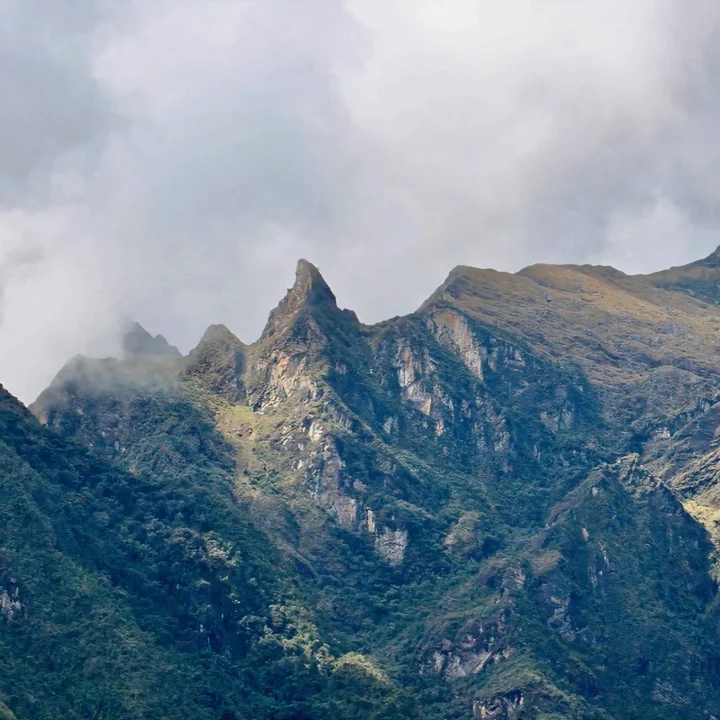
[501, 506]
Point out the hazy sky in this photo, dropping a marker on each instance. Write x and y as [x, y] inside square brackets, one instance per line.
[170, 160]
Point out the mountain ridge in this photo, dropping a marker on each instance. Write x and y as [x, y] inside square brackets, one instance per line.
[310, 287]
[502, 505]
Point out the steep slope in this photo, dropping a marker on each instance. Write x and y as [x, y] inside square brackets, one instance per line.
[458, 496]
[637, 338]
[148, 594]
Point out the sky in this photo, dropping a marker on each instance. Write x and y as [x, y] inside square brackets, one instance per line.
[170, 160]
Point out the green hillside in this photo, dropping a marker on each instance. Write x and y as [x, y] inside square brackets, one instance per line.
[501, 506]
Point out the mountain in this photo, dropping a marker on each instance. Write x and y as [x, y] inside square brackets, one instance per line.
[504, 505]
[138, 341]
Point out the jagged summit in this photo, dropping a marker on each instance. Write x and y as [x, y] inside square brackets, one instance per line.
[310, 286]
[218, 334]
[310, 291]
[218, 362]
[138, 341]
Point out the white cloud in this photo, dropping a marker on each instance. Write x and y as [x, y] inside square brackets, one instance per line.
[654, 236]
[172, 160]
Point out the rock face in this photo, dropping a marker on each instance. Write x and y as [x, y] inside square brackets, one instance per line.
[391, 545]
[506, 707]
[503, 505]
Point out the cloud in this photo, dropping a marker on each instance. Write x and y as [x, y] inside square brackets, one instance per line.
[170, 161]
[51, 105]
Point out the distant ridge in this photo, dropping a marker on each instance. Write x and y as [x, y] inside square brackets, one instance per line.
[138, 341]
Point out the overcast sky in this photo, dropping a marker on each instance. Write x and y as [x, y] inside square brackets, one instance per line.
[170, 160]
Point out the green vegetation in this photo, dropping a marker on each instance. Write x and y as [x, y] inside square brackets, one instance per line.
[449, 515]
[149, 595]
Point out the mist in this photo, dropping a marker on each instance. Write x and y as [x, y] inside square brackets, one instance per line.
[171, 161]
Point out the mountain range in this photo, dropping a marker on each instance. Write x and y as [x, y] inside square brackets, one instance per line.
[503, 506]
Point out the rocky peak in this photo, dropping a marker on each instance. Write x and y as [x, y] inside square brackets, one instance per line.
[309, 290]
[310, 286]
[138, 341]
[218, 362]
[301, 333]
[217, 336]
[310, 293]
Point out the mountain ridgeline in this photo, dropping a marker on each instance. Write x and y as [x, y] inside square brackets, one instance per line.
[504, 506]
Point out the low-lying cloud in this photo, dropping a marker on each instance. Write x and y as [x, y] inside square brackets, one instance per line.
[170, 161]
